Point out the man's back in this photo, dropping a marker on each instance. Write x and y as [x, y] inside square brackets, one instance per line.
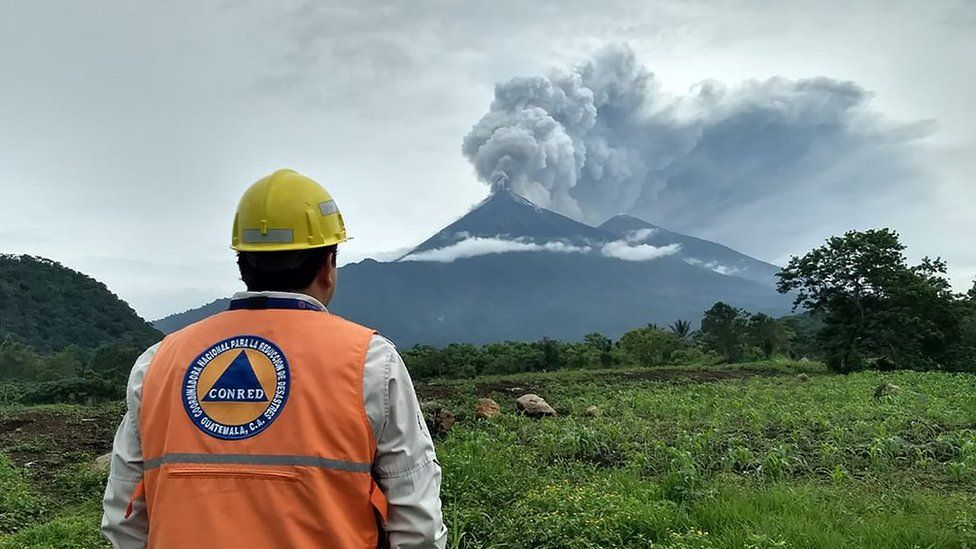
[267, 425]
[277, 433]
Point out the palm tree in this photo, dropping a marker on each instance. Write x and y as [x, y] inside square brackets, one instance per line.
[681, 328]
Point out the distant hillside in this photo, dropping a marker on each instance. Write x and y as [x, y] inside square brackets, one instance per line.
[176, 321]
[49, 306]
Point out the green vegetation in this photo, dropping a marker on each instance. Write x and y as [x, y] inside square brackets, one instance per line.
[878, 310]
[19, 505]
[748, 461]
[728, 335]
[48, 307]
[71, 375]
[746, 455]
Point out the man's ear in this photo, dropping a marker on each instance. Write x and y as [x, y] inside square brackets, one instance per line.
[325, 276]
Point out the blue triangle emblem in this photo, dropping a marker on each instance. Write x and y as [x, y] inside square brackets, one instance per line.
[238, 383]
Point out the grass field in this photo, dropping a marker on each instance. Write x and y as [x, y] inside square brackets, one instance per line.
[748, 456]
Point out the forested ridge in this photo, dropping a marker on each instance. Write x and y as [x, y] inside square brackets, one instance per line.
[48, 306]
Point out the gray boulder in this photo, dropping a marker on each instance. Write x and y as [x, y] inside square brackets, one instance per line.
[534, 406]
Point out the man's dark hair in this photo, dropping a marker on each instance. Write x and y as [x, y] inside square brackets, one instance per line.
[288, 271]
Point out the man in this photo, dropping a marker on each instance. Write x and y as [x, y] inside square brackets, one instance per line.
[275, 423]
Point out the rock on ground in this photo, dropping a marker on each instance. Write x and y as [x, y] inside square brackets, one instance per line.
[439, 420]
[487, 408]
[534, 406]
[102, 463]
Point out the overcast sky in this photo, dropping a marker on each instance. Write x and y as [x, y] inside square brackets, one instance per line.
[128, 130]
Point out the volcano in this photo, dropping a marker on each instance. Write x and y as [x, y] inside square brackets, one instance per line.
[506, 215]
[511, 270]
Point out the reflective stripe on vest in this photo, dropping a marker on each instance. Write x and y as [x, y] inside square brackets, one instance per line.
[252, 459]
[255, 435]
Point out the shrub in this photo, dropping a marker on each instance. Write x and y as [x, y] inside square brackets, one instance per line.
[649, 346]
[77, 390]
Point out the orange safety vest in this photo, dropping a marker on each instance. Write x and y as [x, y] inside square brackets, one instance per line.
[254, 433]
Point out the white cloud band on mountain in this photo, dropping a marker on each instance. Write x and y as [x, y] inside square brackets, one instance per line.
[633, 248]
[714, 266]
[627, 251]
[475, 246]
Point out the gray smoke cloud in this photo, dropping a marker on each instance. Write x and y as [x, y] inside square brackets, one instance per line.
[603, 139]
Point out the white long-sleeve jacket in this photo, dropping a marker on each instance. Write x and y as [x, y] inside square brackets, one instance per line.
[405, 466]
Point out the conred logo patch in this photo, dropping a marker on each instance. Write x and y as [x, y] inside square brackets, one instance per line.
[237, 387]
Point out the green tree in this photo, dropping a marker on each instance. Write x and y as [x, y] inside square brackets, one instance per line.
[552, 353]
[873, 304]
[426, 362]
[598, 341]
[920, 325]
[68, 362]
[681, 329]
[18, 362]
[649, 346]
[724, 330]
[966, 352]
[513, 357]
[805, 328]
[602, 346]
[463, 360]
[768, 334]
[112, 363]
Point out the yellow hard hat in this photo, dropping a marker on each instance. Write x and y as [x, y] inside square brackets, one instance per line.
[286, 211]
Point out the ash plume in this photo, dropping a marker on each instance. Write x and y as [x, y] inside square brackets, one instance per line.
[602, 139]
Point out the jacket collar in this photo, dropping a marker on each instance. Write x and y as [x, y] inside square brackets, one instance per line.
[275, 300]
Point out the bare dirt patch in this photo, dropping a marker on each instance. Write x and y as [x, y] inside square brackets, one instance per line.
[43, 441]
[429, 391]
